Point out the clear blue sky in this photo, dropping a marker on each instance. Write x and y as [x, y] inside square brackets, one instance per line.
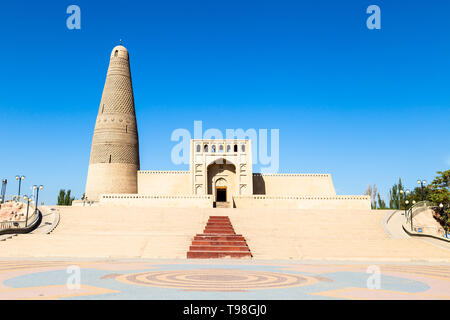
[367, 106]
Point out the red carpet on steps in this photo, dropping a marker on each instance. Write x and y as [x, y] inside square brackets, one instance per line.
[218, 240]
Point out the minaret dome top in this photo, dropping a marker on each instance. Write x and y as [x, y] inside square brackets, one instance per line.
[120, 52]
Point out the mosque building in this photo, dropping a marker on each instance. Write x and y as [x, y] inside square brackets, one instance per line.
[220, 174]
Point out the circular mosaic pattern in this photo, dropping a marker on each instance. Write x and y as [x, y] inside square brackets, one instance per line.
[216, 280]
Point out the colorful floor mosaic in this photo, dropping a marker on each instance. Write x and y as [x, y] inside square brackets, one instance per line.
[221, 279]
[216, 280]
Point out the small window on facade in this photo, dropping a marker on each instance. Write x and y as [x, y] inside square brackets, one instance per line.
[213, 148]
[126, 129]
[235, 148]
[221, 148]
[205, 148]
[110, 158]
[198, 148]
[116, 53]
[228, 148]
[243, 148]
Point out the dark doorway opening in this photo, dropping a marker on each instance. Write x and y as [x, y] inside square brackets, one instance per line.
[221, 194]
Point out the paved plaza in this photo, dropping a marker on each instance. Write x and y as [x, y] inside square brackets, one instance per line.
[221, 279]
[126, 260]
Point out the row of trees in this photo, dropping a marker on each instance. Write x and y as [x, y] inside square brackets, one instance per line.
[438, 191]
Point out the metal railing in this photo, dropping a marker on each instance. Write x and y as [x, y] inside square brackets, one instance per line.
[415, 210]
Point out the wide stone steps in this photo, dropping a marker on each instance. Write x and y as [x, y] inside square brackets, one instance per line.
[218, 240]
[217, 231]
[218, 243]
[217, 254]
[218, 248]
[225, 237]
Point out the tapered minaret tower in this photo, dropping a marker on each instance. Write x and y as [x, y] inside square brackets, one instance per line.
[115, 146]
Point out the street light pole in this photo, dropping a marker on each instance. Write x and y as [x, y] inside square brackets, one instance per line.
[422, 185]
[37, 195]
[19, 178]
[4, 182]
[28, 207]
[406, 206]
[404, 195]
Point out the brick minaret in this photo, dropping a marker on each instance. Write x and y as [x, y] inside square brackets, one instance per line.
[114, 158]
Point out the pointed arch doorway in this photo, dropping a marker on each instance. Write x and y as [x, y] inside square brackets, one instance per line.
[221, 190]
[221, 183]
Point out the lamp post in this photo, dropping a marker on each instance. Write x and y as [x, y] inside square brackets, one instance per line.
[19, 178]
[4, 182]
[403, 194]
[37, 195]
[422, 185]
[28, 199]
[406, 206]
[414, 202]
[445, 218]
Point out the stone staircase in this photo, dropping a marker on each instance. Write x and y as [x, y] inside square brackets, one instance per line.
[218, 240]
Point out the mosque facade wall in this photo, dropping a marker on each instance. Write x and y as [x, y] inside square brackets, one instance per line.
[179, 183]
[164, 183]
[293, 185]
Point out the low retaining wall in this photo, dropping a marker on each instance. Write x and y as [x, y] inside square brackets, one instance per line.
[254, 201]
[20, 230]
[420, 234]
[134, 200]
[300, 202]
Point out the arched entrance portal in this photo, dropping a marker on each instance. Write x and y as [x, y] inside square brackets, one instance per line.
[221, 182]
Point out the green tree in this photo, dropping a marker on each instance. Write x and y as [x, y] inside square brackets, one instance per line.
[381, 202]
[439, 189]
[439, 192]
[64, 198]
[395, 197]
[61, 197]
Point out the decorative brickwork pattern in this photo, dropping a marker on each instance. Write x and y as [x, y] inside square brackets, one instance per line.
[117, 95]
[114, 153]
